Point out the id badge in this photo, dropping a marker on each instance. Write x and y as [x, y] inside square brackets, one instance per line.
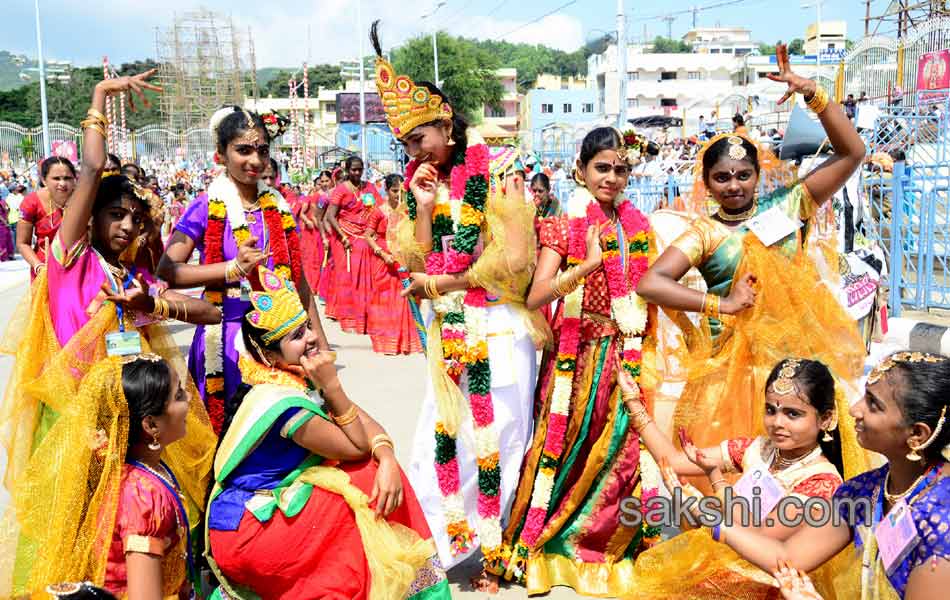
[123, 343]
[245, 290]
[760, 482]
[896, 536]
[501, 353]
[369, 199]
[773, 225]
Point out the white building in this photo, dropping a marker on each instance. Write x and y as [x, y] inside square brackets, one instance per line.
[721, 40]
[664, 84]
[834, 37]
[321, 108]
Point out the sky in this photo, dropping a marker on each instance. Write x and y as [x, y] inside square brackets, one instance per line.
[125, 30]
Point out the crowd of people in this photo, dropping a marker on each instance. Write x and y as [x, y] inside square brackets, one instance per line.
[246, 469]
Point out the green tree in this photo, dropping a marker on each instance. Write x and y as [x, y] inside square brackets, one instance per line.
[796, 46]
[663, 45]
[466, 69]
[767, 49]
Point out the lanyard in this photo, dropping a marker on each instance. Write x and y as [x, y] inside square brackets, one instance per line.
[130, 276]
[181, 509]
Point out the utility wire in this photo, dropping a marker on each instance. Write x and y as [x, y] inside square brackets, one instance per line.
[455, 15]
[545, 15]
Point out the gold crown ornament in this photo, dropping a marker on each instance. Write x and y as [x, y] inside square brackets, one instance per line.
[406, 104]
[277, 309]
[784, 385]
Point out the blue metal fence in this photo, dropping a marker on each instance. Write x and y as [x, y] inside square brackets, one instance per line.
[910, 208]
[646, 194]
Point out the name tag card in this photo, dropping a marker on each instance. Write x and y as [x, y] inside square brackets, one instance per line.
[123, 343]
[760, 482]
[896, 536]
[772, 225]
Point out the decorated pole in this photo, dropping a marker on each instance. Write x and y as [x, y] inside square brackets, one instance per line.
[110, 107]
[306, 118]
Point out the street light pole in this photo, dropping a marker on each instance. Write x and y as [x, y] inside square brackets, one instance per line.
[359, 25]
[622, 66]
[435, 44]
[47, 151]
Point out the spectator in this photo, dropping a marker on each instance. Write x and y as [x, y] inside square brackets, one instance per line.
[849, 106]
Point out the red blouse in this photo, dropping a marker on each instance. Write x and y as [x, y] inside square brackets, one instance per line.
[45, 223]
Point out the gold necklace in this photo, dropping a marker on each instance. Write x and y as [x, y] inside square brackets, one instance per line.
[779, 463]
[119, 272]
[166, 478]
[894, 498]
[738, 217]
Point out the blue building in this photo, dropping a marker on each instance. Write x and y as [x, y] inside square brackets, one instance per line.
[558, 119]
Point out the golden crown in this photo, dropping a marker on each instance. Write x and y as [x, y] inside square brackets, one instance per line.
[277, 309]
[407, 105]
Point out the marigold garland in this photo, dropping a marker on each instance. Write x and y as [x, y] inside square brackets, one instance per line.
[224, 204]
[465, 351]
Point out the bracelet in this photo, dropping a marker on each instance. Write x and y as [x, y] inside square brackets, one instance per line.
[348, 417]
[95, 127]
[431, 288]
[640, 417]
[711, 306]
[717, 533]
[382, 437]
[38, 267]
[819, 101]
[161, 307]
[98, 116]
[720, 480]
[379, 445]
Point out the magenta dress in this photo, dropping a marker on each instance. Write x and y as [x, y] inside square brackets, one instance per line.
[348, 301]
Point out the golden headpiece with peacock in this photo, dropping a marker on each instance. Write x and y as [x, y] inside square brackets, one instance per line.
[406, 104]
[277, 309]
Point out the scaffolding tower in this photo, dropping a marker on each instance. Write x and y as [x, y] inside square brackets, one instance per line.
[205, 63]
[894, 18]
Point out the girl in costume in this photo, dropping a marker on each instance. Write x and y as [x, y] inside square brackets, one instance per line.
[90, 302]
[324, 187]
[585, 458]
[241, 224]
[41, 212]
[110, 510]
[765, 299]
[802, 452]
[351, 204]
[299, 461]
[467, 235]
[903, 416]
[311, 236]
[7, 250]
[389, 320]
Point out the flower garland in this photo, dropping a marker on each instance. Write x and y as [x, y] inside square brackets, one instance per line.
[224, 203]
[630, 313]
[460, 214]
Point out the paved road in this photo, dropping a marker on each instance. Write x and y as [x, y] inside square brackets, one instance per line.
[390, 388]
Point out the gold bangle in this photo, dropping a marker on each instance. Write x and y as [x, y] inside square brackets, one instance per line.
[819, 101]
[711, 305]
[381, 437]
[431, 288]
[379, 445]
[347, 417]
[713, 483]
[161, 307]
[97, 128]
[95, 114]
[184, 307]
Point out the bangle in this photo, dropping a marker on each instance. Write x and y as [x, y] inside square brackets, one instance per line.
[720, 480]
[819, 100]
[98, 116]
[431, 288]
[38, 267]
[717, 533]
[382, 437]
[711, 306]
[95, 127]
[347, 417]
[379, 445]
[161, 307]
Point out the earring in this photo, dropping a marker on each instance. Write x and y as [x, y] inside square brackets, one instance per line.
[827, 437]
[578, 180]
[154, 445]
[912, 456]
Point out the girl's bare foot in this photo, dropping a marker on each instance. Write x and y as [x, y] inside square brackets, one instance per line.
[485, 582]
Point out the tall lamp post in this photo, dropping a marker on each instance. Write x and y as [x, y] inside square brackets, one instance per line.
[622, 66]
[817, 5]
[360, 35]
[435, 45]
[47, 149]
